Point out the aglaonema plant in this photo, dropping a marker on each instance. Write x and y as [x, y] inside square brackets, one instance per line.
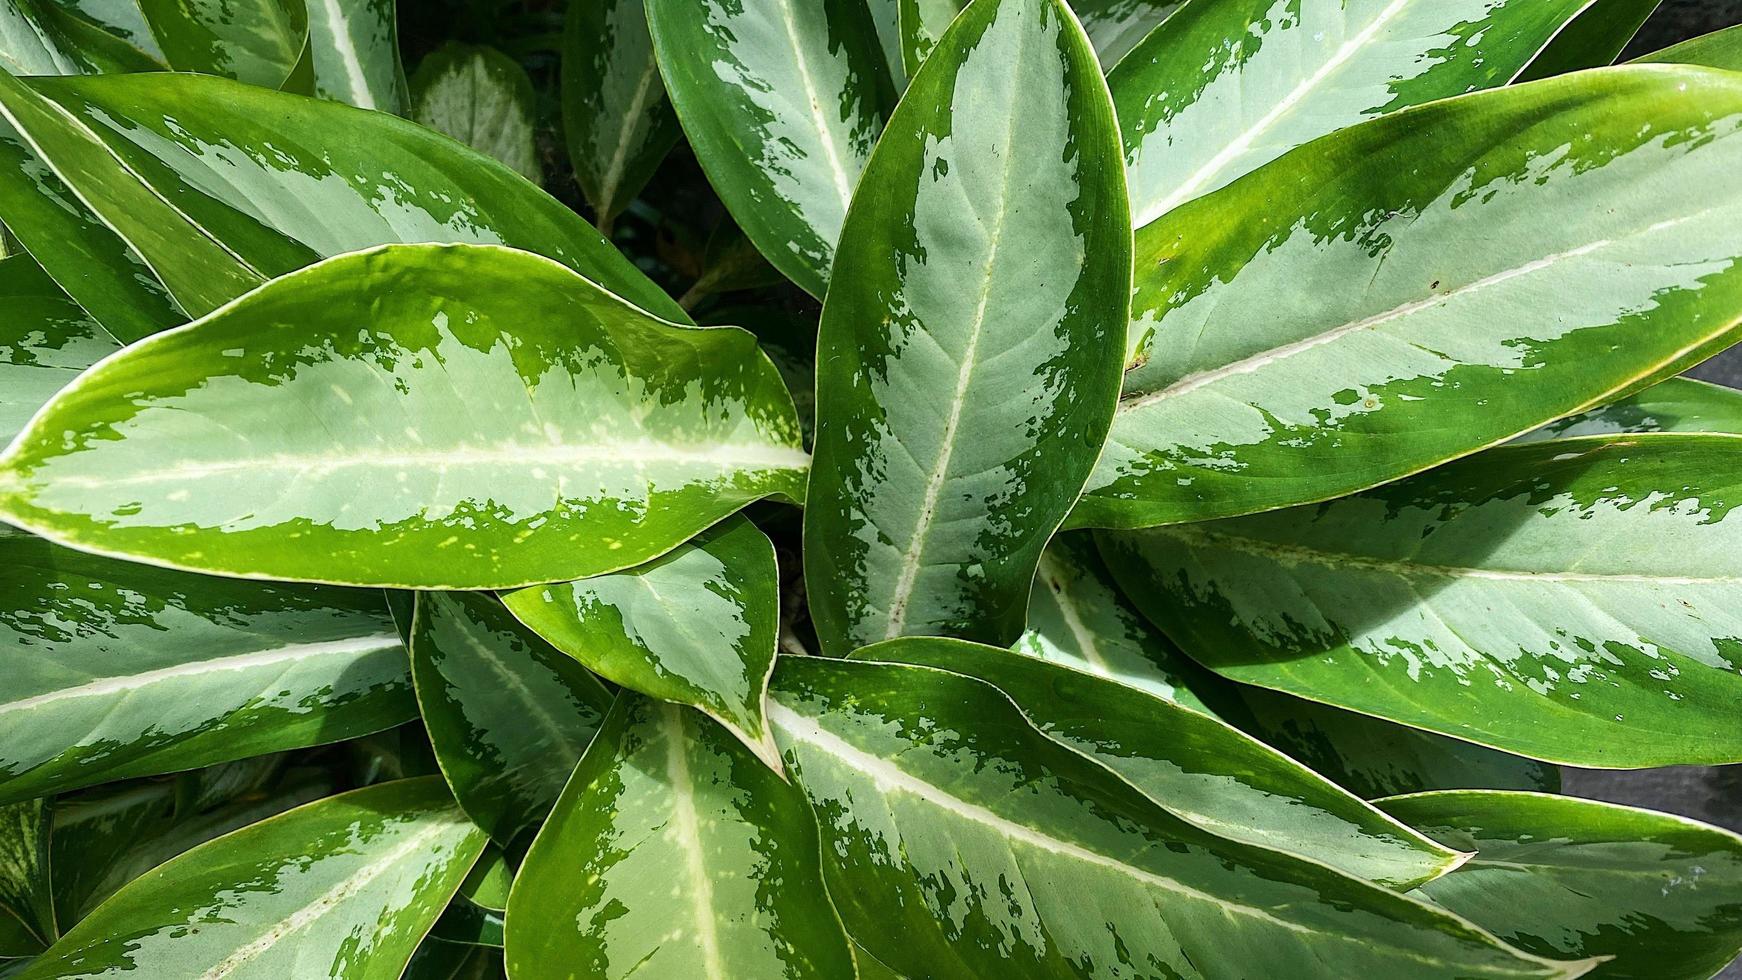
[1110, 490]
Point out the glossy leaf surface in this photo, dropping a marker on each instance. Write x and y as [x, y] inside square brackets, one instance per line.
[1116, 26]
[674, 852]
[115, 669]
[1566, 600]
[1223, 88]
[481, 97]
[1593, 39]
[501, 421]
[1196, 767]
[967, 365]
[1568, 877]
[45, 341]
[617, 119]
[355, 47]
[1675, 405]
[1077, 618]
[1510, 271]
[343, 887]
[961, 842]
[263, 183]
[696, 626]
[782, 101]
[507, 714]
[29, 45]
[1719, 49]
[257, 42]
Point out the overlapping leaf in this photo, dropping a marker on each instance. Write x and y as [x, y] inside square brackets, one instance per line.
[220, 186]
[343, 887]
[1196, 767]
[960, 842]
[1719, 49]
[355, 47]
[696, 627]
[507, 715]
[1423, 285]
[484, 99]
[966, 356]
[674, 852]
[782, 101]
[1593, 39]
[1675, 405]
[1223, 88]
[45, 341]
[500, 421]
[1116, 26]
[1659, 894]
[115, 669]
[1568, 600]
[618, 121]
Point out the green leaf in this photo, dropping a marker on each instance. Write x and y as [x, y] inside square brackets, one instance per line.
[923, 23]
[1077, 619]
[960, 842]
[617, 119]
[782, 101]
[1565, 877]
[1675, 405]
[695, 627]
[1220, 89]
[481, 97]
[508, 715]
[500, 422]
[29, 44]
[439, 960]
[1569, 600]
[1593, 39]
[1507, 271]
[26, 893]
[258, 42]
[674, 852]
[967, 365]
[355, 44]
[1719, 49]
[263, 183]
[116, 670]
[886, 19]
[345, 886]
[1198, 768]
[93, 264]
[470, 921]
[101, 842]
[1116, 26]
[45, 341]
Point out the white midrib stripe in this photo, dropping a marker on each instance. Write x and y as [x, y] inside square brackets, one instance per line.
[613, 175]
[514, 679]
[843, 183]
[635, 455]
[686, 830]
[1263, 359]
[909, 575]
[1084, 636]
[263, 658]
[333, 896]
[1409, 569]
[1240, 144]
[888, 778]
[344, 44]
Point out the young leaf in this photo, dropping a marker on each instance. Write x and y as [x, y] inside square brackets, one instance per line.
[1675, 405]
[616, 116]
[45, 341]
[1593, 39]
[1116, 26]
[257, 42]
[1659, 894]
[674, 852]
[886, 19]
[696, 627]
[1567, 600]
[966, 357]
[481, 97]
[1220, 89]
[1518, 255]
[346, 886]
[26, 892]
[958, 841]
[263, 183]
[782, 101]
[355, 45]
[497, 421]
[1201, 770]
[922, 23]
[29, 44]
[116, 670]
[1077, 619]
[1719, 49]
[508, 716]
